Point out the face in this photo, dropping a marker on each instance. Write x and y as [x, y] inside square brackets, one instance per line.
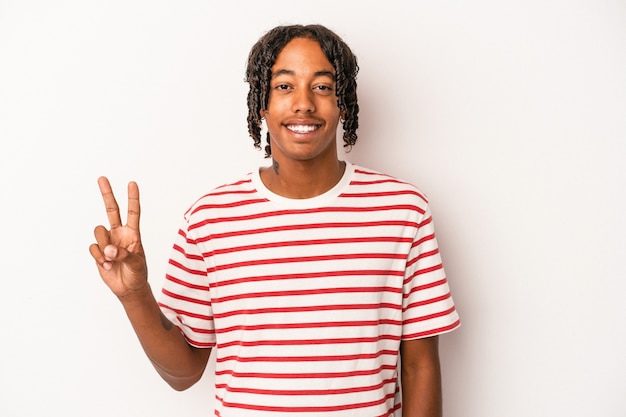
[302, 113]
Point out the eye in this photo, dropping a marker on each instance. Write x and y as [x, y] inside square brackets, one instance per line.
[323, 89]
[281, 87]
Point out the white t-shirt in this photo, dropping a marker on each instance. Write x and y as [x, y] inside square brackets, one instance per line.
[307, 300]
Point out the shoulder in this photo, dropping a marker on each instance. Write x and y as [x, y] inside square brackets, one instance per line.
[373, 182]
[225, 195]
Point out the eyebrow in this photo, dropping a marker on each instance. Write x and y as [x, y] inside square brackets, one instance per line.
[322, 73]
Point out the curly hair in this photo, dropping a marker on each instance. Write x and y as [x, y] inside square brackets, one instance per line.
[259, 73]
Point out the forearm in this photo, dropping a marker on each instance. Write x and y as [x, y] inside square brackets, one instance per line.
[421, 380]
[178, 363]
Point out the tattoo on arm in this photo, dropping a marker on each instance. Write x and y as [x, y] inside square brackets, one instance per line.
[167, 325]
[275, 165]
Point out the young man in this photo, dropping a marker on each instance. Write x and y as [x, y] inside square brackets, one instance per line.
[313, 278]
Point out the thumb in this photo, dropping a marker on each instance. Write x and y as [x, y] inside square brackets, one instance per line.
[133, 261]
[117, 254]
[113, 253]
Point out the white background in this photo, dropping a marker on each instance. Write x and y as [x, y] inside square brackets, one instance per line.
[509, 115]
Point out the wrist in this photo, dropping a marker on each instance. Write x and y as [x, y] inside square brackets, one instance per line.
[137, 295]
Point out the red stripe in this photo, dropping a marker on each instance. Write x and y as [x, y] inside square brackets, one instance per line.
[323, 274]
[392, 353]
[307, 342]
[231, 192]
[337, 307]
[318, 210]
[188, 270]
[427, 254]
[236, 203]
[422, 256]
[433, 284]
[425, 222]
[381, 181]
[307, 375]
[361, 170]
[201, 345]
[429, 269]
[184, 298]
[187, 255]
[292, 243]
[422, 272]
[185, 283]
[311, 409]
[432, 332]
[310, 226]
[284, 326]
[430, 316]
[309, 392]
[422, 240]
[395, 408]
[185, 313]
[371, 182]
[299, 259]
[339, 290]
[426, 302]
[383, 194]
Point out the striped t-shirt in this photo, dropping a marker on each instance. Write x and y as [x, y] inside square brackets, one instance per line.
[306, 301]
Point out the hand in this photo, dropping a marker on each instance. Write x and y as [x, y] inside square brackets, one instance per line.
[118, 252]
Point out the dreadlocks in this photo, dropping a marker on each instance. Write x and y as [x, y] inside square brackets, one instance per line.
[259, 73]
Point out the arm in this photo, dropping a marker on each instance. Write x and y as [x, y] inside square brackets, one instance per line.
[179, 364]
[421, 378]
[121, 263]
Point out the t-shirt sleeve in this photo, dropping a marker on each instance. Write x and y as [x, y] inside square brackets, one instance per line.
[428, 308]
[185, 299]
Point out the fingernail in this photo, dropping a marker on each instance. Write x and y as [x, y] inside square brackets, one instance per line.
[110, 252]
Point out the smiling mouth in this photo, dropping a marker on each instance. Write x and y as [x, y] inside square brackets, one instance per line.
[302, 128]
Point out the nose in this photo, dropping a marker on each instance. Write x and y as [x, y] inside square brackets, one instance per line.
[303, 101]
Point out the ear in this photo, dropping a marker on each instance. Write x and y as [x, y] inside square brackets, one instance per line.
[262, 113]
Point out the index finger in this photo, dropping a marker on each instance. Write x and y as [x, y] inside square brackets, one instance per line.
[110, 204]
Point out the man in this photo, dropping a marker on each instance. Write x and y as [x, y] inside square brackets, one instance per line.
[313, 278]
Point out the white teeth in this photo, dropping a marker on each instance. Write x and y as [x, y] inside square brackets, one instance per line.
[302, 128]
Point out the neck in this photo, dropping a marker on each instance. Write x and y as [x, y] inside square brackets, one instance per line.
[302, 179]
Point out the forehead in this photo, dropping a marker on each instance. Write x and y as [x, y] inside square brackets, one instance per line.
[302, 56]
